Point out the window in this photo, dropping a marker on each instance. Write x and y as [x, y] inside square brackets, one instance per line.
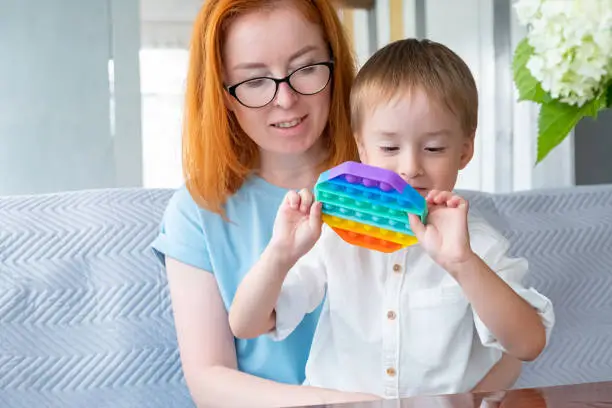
[162, 81]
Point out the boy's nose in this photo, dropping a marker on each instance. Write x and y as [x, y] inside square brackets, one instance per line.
[411, 168]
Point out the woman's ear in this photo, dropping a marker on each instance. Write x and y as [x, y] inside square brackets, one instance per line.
[228, 100]
[467, 151]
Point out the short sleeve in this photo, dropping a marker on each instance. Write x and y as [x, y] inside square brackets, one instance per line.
[493, 249]
[181, 234]
[302, 292]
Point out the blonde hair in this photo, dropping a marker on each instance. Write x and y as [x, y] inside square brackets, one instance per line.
[217, 154]
[410, 63]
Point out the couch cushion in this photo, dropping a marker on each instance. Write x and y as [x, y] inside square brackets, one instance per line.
[566, 235]
[85, 316]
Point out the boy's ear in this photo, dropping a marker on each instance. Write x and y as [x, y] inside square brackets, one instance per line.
[360, 147]
[467, 151]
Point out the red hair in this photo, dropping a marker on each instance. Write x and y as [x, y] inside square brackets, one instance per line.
[217, 155]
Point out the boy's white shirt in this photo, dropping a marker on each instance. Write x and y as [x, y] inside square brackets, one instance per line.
[396, 325]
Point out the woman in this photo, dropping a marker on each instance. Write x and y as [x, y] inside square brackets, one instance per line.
[266, 111]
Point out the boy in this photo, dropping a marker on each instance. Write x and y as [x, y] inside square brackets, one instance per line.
[433, 318]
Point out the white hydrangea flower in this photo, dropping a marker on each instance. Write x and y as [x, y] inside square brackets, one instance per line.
[572, 42]
[526, 10]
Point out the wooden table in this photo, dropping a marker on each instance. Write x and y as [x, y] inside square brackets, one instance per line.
[592, 395]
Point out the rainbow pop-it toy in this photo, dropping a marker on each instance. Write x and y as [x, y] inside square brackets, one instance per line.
[368, 206]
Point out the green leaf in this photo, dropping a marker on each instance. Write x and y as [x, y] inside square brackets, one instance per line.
[547, 98]
[555, 122]
[592, 109]
[528, 87]
[609, 96]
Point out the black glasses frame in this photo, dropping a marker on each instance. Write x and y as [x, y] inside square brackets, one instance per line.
[329, 64]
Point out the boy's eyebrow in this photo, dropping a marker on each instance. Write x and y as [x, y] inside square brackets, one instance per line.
[441, 132]
[434, 133]
[256, 65]
[387, 133]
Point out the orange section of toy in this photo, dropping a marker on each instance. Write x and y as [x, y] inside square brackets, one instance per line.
[377, 233]
[367, 241]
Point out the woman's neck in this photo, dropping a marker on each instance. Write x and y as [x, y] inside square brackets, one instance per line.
[291, 172]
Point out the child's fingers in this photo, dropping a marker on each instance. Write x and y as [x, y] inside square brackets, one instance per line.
[443, 197]
[456, 202]
[453, 202]
[437, 196]
[293, 200]
[462, 203]
[430, 195]
[314, 218]
[306, 200]
[416, 225]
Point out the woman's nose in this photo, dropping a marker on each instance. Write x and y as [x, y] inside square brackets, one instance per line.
[285, 97]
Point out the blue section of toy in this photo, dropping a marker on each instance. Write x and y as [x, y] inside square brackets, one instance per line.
[370, 197]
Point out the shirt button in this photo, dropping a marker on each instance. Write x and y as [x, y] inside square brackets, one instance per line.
[391, 372]
[391, 315]
[397, 268]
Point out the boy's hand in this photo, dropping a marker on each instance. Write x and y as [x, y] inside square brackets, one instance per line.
[445, 237]
[298, 224]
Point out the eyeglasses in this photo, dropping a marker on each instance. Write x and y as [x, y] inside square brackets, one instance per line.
[258, 92]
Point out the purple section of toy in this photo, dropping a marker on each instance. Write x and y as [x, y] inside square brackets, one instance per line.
[372, 176]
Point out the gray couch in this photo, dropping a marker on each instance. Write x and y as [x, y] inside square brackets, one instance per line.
[85, 316]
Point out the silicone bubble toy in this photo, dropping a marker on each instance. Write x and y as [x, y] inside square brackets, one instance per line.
[368, 206]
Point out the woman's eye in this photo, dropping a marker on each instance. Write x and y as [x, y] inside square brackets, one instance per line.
[306, 70]
[435, 149]
[389, 148]
[254, 83]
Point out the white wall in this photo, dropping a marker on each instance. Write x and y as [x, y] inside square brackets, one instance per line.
[55, 131]
[465, 27]
[127, 131]
[163, 75]
[484, 33]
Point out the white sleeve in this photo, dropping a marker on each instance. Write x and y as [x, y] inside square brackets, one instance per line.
[302, 292]
[494, 248]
